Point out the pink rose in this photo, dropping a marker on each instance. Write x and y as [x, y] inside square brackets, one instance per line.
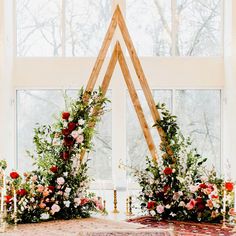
[80, 139]
[40, 188]
[160, 209]
[193, 188]
[34, 178]
[75, 134]
[191, 204]
[60, 180]
[210, 204]
[55, 208]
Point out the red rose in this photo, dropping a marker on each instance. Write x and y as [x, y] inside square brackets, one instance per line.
[214, 196]
[68, 141]
[51, 188]
[21, 192]
[14, 175]
[168, 171]
[66, 132]
[65, 115]
[200, 206]
[203, 185]
[229, 186]
[54, 169]
[71, 126]
[8, 199]
[166, 188]
[84, 201]
[65, 155]
[199, 200]
[151, 205]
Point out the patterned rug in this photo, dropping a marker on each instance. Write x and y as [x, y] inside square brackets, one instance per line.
[185, 228]
[86, 227]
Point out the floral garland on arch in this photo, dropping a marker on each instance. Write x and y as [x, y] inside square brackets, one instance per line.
[179, 186]
[57, 189]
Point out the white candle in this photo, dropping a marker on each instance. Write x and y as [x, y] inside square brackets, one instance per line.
[2, 199]
[127, 187]
[224, 201]
[15, 200]
[234, 198]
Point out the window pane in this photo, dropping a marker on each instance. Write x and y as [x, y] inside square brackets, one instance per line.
[149, 23]
[137, 148]
[34, 106]
[199, 27]
[38, 27]
[86, 25]
[199, 115]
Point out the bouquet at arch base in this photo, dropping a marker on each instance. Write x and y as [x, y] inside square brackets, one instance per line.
[58, 187]
[179, 186]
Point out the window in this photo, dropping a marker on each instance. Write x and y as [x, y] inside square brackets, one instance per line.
[176, 27]
[199, 116]
[61, 27]
[42, 107]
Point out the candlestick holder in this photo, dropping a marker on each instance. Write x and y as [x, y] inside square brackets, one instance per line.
[104, 212]
[15, 220]
[224, 226]
[115, 203]
[129, 207]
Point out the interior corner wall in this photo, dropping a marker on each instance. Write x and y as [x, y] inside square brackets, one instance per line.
[6, 114]
[230, 90]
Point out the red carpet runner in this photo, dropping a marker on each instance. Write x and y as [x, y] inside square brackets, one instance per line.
[185, 228]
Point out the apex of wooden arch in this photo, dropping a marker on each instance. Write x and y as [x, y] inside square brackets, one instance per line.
[118, 56]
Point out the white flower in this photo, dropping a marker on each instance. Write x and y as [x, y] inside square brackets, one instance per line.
[153, 213]
[65, 124]
[77, 201]
[193, 188]
[81, 122]
[67, 190]
[60, 180]
[172, 214]
[55, 208]
[44, 216]
[167, 206]
[80, 130]
[65, 174]
[182, 204]
[67, 203]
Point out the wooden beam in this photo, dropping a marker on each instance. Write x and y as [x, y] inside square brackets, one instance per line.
[139, 70]
[103, 52]
[110, 70]
[136, 103]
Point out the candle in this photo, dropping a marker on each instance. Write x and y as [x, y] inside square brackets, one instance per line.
[127, 187]
[15, 202]
[224, 201]
[234, 198]
[2, 199]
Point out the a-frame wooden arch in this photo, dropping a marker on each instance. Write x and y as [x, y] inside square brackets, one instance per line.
[118, 56]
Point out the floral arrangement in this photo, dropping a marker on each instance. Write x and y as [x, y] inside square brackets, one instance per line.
[57, 189]
[179, 186]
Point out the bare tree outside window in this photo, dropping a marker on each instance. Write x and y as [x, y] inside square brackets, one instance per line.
[186, 28]
[38, 28]
[61, 27]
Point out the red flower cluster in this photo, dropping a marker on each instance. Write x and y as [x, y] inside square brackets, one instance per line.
[65, 115]
[84, 201]
[203, 185]
[168, 171]
[151, 205]
[71, 126]
[21, 192]
[54, 169]
[8, 199]
[166, 188]
[51, 188]
[229, 186]
[65, 155]
[66, 132]
[14, 175]
[68, 141]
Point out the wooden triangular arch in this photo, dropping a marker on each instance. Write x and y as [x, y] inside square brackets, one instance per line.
[118, 56]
